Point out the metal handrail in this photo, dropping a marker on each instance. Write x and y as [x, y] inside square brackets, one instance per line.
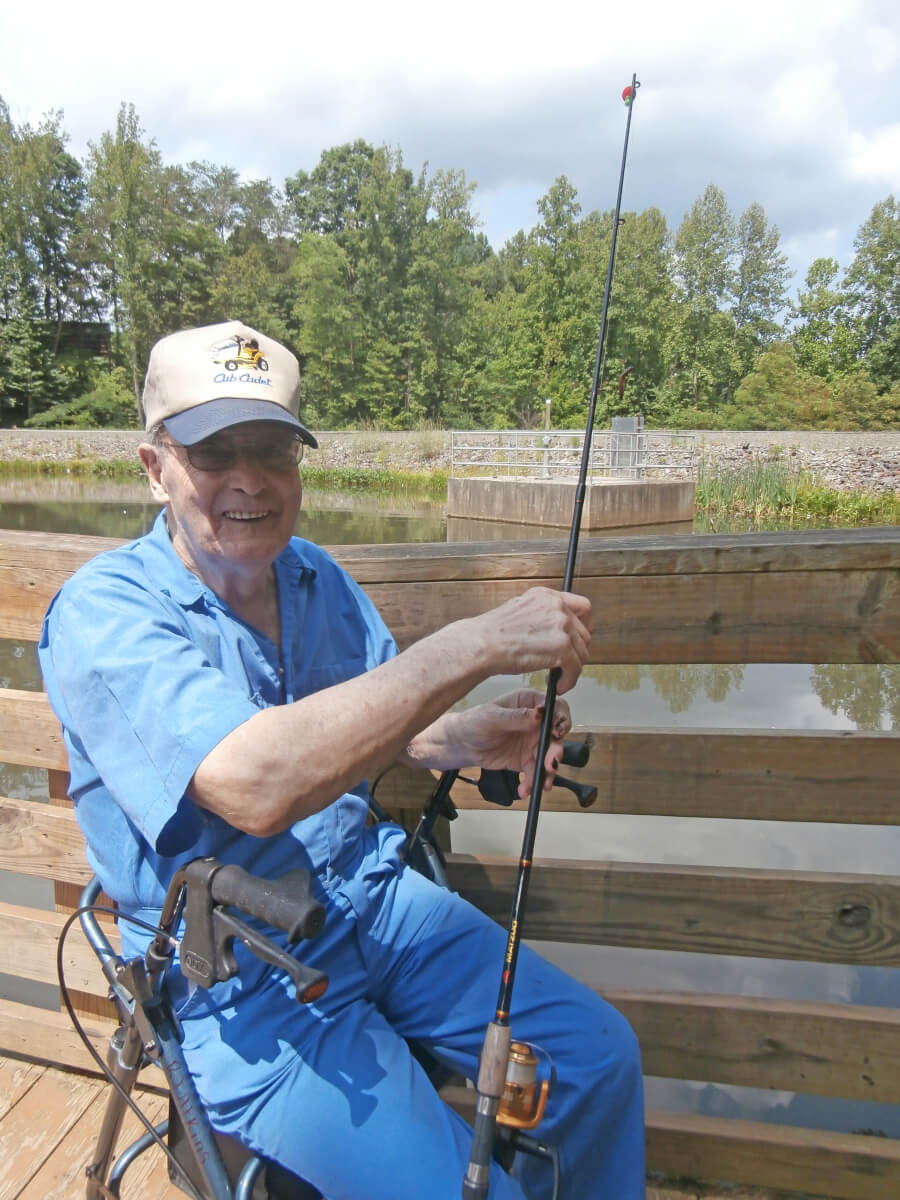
[556, 454]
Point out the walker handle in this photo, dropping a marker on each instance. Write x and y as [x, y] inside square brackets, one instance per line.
[285, 903]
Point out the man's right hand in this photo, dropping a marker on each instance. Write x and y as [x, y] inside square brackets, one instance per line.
[542, 628]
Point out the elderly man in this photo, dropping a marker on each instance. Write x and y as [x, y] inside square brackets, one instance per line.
[226, 689]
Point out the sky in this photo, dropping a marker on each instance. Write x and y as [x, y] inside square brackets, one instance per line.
[794, 104]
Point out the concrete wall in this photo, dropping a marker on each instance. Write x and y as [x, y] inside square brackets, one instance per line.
[607, 505]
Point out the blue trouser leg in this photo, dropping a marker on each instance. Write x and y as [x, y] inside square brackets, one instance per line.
[333, 1093]
[442, 989]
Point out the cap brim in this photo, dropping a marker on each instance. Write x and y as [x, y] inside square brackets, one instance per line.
[202, 421]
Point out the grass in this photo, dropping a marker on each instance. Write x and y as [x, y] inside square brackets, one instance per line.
[411, 485]
[773, 492]
[81, 468]
[377, 481]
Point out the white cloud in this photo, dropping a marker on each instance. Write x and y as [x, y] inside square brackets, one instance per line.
[792, 105]
[876, 158]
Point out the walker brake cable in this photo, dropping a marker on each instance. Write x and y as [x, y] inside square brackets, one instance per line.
[495, 1052]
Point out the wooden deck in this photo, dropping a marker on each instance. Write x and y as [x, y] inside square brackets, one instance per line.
[49, 1121]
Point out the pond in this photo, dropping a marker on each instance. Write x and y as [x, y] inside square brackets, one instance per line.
[787, 696]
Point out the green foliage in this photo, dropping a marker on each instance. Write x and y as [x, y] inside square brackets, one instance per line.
[413, 485]
[823, 341]
[776, 491]
[776, 395]
[402, 313]
[30, 376]
[108, 405]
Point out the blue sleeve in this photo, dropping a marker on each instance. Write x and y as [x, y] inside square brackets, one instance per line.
[141, 704]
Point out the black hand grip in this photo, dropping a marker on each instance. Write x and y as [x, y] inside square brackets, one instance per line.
[576, 754]
[499, 787]
[286, 903]
[585, 792]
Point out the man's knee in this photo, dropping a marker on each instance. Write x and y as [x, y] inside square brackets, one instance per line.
[612, 1055]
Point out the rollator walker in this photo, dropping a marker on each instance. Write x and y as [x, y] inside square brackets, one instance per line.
[200, 919]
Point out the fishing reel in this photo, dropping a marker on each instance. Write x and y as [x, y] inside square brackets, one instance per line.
[524, 1098]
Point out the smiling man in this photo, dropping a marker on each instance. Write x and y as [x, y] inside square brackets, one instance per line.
[226, 689]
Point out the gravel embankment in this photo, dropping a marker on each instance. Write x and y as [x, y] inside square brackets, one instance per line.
[847, 461]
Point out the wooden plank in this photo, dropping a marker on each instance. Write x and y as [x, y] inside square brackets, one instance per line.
[62, 1175]
[831, 617]
[40, 562]
[28, 949]
[42, 840]
[807, 598]
[49, 1037]
[15, 1080]
[847, 776]
[772, 914]
[35, 1127]
[30, 735]
[845, 1166]
[851, 777]
[751, 1041]
[67, 897]
[817, 916]
[814, 550]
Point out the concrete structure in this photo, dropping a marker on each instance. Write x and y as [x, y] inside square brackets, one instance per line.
[608, 504]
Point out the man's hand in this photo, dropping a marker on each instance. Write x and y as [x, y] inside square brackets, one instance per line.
[504, 734]
[540, 629]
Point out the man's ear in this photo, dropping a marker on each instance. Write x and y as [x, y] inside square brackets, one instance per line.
[151, 457]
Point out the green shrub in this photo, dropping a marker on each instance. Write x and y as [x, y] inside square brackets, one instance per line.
[108, 405]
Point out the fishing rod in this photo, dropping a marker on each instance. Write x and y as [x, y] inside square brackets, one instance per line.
[495, 1052]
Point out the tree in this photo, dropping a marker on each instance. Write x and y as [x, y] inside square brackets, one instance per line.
[447, 256]
[873, 291]
[327, 199]
[761, 284]
[217, 195]
[42, 190]
[824, 342]
[776, 395]
[327, 314]
[30, 378]
[123, 186]
[702, 359]
[641, 311]
[868, 696]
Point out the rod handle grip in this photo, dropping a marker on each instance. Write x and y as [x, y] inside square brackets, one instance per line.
[492, 1069]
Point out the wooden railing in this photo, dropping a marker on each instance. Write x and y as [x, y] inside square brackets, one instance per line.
[815, 598]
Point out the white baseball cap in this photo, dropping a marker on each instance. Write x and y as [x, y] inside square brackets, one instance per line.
[200, 381]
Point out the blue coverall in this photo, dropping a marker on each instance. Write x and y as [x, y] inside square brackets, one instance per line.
[147, 670]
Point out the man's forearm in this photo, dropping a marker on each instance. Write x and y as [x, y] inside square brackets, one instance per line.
[290, 761]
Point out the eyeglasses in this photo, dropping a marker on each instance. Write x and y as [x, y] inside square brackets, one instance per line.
[272, 453]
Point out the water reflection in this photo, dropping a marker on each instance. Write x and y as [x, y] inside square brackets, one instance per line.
[125, 510]
[760, 695]
[870, 700]
[677, 686]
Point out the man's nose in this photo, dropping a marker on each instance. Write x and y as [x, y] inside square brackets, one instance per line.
[247, 472]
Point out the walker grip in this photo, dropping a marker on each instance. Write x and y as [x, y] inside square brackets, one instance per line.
[285, 903]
